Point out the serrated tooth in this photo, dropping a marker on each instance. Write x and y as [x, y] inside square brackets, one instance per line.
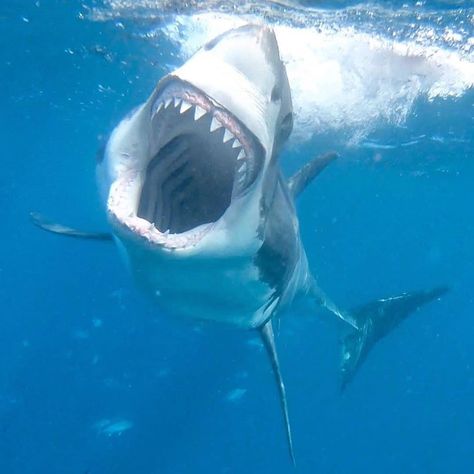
[168, 102]
[160, 106]
[236, 144]
[199, 112]
[184, 106]
[242, 155]
[177, 101]
[215, 124]
[243, 168]
[227, 136]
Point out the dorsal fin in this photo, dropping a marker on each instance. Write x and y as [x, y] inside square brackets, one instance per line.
[308, 172]
[266, 332]
[45, 224]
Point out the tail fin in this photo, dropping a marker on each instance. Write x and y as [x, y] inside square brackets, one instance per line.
[374, 321]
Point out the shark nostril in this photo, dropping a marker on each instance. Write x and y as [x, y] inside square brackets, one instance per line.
[212, 43]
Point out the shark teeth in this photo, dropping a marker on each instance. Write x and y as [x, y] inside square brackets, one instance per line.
[199, 112]
[182, 104]
[184, 107]
[228, 135]
[215, 124]
[243, 168]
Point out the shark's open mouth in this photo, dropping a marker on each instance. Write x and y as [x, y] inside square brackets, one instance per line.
[200, 158]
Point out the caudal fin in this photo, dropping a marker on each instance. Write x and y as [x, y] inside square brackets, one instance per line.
[374, 321]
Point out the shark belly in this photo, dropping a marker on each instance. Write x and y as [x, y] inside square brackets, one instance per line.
[225, 290]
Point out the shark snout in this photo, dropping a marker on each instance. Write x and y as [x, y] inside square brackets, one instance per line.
[266, 40]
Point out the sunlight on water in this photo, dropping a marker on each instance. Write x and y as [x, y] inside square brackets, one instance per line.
[343, 78]
[350, 70]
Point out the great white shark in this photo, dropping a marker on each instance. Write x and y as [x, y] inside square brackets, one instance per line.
[201, 212]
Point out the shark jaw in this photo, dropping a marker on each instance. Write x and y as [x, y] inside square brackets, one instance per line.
[200, 159]
[188, 170]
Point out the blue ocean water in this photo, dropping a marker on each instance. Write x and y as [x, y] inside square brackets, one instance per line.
[94, 380]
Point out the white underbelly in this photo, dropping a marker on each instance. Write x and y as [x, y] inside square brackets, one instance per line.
[224, 290]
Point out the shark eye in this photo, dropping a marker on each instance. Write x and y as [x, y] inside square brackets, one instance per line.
[275, 94]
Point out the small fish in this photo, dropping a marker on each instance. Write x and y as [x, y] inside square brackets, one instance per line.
[236, 395]
[113, 427]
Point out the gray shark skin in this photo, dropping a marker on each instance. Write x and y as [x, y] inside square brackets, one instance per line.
[375, 320]
[192, 186]
[194, 193]
[197, 203]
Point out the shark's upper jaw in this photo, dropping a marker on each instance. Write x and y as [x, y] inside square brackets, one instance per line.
[196, 155]
[200, 158]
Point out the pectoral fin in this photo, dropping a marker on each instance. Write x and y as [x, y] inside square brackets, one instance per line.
[45, 224]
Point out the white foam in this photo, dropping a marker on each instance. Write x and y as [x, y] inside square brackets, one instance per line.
[344, 78]
[351, 69]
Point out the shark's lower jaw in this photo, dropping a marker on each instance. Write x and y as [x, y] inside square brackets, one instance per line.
[201, 158]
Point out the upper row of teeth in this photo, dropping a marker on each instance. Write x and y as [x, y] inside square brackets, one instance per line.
[200, 112]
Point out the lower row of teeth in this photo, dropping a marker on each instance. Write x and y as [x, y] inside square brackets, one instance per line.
[200, 112]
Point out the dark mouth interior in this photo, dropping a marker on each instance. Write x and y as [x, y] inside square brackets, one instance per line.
[188, 183]
[190, 179]
[202, 158]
